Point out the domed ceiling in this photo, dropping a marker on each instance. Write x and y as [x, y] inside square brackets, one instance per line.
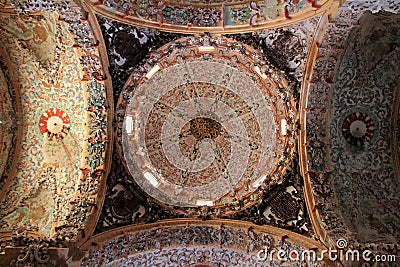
[207, 125]
[197, 133]
[126, 203]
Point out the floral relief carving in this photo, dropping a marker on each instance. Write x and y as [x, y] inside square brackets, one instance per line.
[72, 50]
[342, 130]
[194, 243]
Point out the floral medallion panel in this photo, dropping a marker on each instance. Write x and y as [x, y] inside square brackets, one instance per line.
[352, 127]
[61, 163]
[361, 140]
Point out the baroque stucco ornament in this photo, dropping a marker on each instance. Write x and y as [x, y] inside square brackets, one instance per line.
[216, 16]
[349, 160]
[62, 163]
[194, 138]
[348, 125]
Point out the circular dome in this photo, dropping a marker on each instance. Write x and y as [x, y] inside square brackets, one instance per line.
[205, 125]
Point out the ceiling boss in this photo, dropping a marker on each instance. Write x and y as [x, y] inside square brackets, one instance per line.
[54, 124]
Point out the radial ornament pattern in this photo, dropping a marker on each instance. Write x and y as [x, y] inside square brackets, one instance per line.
[207, 124]
[55, 123]
[358, 127]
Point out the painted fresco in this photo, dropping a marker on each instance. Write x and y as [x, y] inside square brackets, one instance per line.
[352, 124]
[364, 93]
[215, 16]
[344, 122]
[196, 243]
[207, 127]
[63, 139]
[8, 124]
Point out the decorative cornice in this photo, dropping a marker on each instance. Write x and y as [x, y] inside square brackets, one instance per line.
[213, 18]
[225, 234]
